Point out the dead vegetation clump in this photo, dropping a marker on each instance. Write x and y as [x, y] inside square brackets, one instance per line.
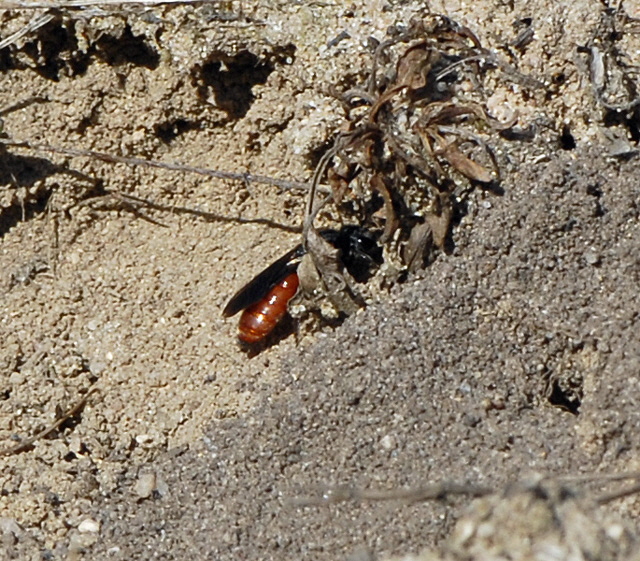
[614, 79]
[418, 140]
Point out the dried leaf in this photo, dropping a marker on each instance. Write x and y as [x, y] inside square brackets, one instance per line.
[414, 66]
[449, 113]
[465, 32]
[309, 277]
[338, 183]
[370, 152]
[466, 166]
[439, 220]
[415, 252]
[384, 98]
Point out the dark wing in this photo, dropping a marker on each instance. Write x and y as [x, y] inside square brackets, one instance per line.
[264, 282]
[360, 254]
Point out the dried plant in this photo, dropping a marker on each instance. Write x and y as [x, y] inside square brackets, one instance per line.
[417, 141]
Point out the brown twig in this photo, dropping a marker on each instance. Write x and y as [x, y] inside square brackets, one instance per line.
[436, 491]
[36, 23]
[26, 444]
[619, 494]
[111, 158]
[609, 496]
[587, 477]
[132, 203]
[445, 489]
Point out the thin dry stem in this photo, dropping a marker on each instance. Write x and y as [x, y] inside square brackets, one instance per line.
[245, 177]
[26, 444]
[312, 207]
[587, 477]
[436, 491]
[619, 494]
[36, 23]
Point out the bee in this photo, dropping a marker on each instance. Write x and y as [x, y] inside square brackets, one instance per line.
[264, 300]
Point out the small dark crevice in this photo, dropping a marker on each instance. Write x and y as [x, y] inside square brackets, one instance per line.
[69, 457]
[52, 40]
[568, 400]
[314, 155]
[231, 78]
[170, 130]
[47, 48]
[595, 191]
[52, 498]
[555, 86]
[14, 214]
[127, 48]
[6, 60]
[567, 140]
[54, 52]
[630, 120]
[23, 171]
[70, 423]
[89, 120]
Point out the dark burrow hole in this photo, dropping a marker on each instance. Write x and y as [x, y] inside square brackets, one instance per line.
[567, 141]
[568, 400]
[69, 457]
[630, 120]
[170, 130]
[127, 48]
[23, 171]
[231, 78]
[70, 423]
[55, 51]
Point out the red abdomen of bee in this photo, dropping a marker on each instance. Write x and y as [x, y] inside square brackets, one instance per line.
[261, 318]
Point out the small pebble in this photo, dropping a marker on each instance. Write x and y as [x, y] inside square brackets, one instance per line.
[145, 485]
[591, 257]
[388, 442]
[88, 525]
[10, 530]
[143, 439]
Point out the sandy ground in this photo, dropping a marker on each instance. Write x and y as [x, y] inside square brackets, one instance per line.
[518, 352]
